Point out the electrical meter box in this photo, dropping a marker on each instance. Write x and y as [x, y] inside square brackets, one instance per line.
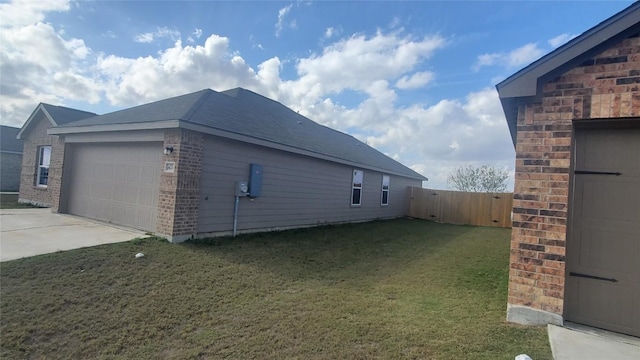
[255, 180]
[242, 188]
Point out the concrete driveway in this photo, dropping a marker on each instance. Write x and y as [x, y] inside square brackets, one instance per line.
[29, 232]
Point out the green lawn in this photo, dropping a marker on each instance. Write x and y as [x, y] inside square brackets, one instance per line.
[400, 289]
[10, 201]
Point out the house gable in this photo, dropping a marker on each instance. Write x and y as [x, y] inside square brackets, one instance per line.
[38, 115]
[601, 91]
[527, 85]
[35, 136]
[55, 115]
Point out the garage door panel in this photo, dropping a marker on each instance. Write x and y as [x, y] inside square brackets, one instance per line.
[609, 199]
[117, 183]
[133, 174]
[599, 307]
[603, 284]
[147, 218]
[149, 174]
[148, 196]
[607, 250]
[104, 171]
[609, 150]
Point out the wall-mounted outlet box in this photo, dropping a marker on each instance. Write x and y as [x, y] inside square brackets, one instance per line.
[242, 188]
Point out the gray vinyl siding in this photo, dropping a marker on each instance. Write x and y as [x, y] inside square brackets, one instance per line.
[296, 191]
[10, 167]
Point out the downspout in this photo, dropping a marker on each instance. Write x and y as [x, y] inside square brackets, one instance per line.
[235, 216]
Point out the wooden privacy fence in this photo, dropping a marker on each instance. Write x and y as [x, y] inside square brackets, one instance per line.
[464, 208]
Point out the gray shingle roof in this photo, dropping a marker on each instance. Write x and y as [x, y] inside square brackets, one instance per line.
[175, 108]
[244, 112]
[8, 141]
[59, 114]
[63, 115]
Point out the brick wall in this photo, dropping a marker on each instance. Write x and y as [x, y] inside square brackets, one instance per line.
[36, 136]
[606, 86]
[180, 190]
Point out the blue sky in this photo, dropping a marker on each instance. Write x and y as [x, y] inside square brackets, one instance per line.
[415, 79]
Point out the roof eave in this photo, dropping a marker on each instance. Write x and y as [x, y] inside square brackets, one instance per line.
[525, 86]
[183, 124]
[618, 26]
[64, 130]
[25, 126]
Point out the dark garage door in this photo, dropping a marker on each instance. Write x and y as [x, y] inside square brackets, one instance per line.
[116, 183]
[603, 251]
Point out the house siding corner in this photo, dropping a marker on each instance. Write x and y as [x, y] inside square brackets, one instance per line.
[179, 194]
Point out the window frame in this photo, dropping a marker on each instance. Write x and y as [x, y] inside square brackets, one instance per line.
[383, 190]
[356, 187]
[40, 166]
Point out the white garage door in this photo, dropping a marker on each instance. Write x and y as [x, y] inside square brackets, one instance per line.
[603, 252]
[116, 183]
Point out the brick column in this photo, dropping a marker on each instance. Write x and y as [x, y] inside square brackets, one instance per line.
[180, 190]
[540, 201]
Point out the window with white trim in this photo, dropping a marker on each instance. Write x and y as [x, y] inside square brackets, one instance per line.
[356, 188]
[384, 199]
[44, 159]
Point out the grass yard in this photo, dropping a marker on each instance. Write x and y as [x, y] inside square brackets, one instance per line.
[400, 289]
[10, 201]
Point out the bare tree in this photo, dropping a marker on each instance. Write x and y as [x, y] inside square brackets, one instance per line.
[478, 179]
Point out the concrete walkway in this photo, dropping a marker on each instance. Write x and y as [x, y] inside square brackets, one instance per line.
[577, 342]
[29, 232]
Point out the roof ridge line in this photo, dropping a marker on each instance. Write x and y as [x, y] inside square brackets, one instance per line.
[197, 105]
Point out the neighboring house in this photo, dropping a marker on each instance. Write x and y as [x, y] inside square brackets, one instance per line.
[42, 152]
[10, 159]
[171, 167]
[574, 117]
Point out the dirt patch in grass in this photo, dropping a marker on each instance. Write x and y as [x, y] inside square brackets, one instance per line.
[389, 289]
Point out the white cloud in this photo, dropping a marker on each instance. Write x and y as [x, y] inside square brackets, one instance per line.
[255, 44]
[161, 32]
[282, 13]
[28, 12]
[176, 70]
[436, 139]
[197, 33]
[431, 138]
[521, 56]
[357, 62]
[329, 32]
[144, 38]
[524, 55]
[29, 78]
[560, 39]
[395, 22]
[415, 81]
